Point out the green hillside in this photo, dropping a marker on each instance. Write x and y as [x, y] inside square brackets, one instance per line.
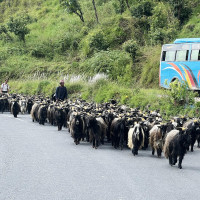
[42, 41]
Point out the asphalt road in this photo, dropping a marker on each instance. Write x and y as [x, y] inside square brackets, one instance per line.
[39, 163]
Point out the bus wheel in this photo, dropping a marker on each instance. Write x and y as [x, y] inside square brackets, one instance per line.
[174, 79]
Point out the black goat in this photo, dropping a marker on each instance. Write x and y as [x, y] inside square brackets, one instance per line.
[176, 145]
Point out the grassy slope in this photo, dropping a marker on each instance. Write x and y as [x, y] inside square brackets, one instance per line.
[54, 28]
[54, 34]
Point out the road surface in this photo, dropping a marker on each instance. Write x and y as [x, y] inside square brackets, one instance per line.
[39, 163]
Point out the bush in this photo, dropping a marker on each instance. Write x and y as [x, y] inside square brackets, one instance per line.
[163, 25]
[41, 86]
[179, 94]
[115, 36]
[94, 41]
[131, 47]
[150, 71]
[120, 6]
[18, 26]
[4, 34]
[43, 50]
[143, 8]
[64, 43]
[182, 9]
[112, 63]
[74, 88]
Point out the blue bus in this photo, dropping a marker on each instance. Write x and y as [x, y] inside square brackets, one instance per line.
[181, 60]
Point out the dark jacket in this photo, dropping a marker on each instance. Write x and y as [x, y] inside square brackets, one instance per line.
[61, 93]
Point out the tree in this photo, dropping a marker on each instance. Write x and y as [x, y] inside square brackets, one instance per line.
[3, 29]
[18, 26]
[144, 8]
[95, 11]
[181, 8]
[73, 6]
[132, 48]
[127, 4]
[119, 6]
[4, 33]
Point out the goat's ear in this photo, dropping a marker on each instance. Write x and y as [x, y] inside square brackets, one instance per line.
[141, 123]
[184, 129]
[179, 128]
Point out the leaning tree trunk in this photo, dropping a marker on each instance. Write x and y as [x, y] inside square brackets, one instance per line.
[95, 11]
[80, 15]
[127, 4]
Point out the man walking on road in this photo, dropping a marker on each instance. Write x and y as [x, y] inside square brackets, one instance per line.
[5, 87]
[61, 92]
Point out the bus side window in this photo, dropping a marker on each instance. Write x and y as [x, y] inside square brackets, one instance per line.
[170, 56]
[182, 55]
[163, 55]
[195, 55]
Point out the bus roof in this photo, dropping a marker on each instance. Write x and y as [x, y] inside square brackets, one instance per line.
[187, 40]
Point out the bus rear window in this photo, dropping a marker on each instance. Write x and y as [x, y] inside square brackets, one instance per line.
[168, 56]
[182, 55]
[195, 55]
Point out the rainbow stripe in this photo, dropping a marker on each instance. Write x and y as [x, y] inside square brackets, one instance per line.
[198, 75]
[177, 69]
[189, 76]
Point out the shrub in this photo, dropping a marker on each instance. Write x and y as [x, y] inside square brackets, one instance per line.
[64, 43]
[41, 86]
[112, 63]
[163, 24]
[43, 50]
[143, 8]
[94, 41]
[74, 88]
[182, 9]
[131, 47]
[18, 26]
[120, 6]
[179, 93]
[150, 71]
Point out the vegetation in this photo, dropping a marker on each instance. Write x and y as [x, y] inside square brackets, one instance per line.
[177, 101]
[43, 41]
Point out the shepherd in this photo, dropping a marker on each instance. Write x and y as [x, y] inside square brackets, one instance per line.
[5, 87]
[61, 92]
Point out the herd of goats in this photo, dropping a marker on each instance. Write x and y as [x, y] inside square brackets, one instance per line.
[120, 125]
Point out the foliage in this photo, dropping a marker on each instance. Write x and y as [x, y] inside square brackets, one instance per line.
[94, 41]
[163, 25]
[125, 46]
[3, 29]
[168, 102]
[4, 34]
[108, 62]
[182, 9]
[132, 48]
[144, 8]
[120, 6]
[73, 6]
[18, 26]
[150, 70]
[179, 93]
